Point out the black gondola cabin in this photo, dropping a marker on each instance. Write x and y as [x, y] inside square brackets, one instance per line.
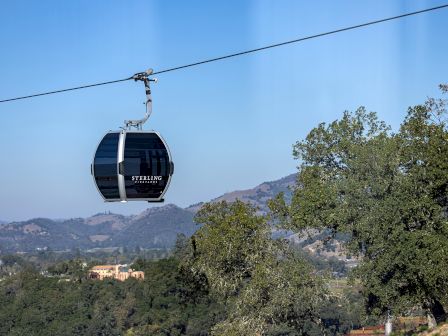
[132, 166]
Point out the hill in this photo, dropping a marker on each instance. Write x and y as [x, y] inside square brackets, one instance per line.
[155, 227]
[257, 196]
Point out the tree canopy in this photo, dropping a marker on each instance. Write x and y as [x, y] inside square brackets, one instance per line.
[388, 192]
[262, 282]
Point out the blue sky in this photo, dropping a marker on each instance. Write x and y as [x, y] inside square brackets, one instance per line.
[230, 124]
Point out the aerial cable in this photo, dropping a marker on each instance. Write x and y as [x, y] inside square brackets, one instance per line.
[236, 54]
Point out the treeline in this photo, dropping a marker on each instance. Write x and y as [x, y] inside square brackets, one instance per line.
[170, 301]
[33, 304]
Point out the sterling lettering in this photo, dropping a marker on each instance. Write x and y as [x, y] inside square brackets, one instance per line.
[146, 179]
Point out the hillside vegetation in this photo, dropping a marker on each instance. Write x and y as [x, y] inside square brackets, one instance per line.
[155, 227]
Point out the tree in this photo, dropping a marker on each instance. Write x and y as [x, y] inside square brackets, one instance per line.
[180, 245]
[389, 193]
[262, 282]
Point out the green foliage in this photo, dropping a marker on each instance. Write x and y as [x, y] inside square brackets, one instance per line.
[10, 264]
[32, 304]
[73, 269]
[230, 244]
[262, 282]
[388, 192]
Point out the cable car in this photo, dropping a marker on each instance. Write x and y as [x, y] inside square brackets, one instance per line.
[133, 165]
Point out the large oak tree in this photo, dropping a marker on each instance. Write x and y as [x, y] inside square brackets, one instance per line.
[389, 193]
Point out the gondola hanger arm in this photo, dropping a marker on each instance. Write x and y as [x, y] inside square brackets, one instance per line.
[144, 77]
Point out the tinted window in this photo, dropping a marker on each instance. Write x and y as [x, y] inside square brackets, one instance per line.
[105, 166]
[145, 165]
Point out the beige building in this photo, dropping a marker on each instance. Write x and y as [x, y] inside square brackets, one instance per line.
[119, 272]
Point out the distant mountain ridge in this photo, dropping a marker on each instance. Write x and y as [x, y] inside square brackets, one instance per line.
[257, 196]
[155, 227]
